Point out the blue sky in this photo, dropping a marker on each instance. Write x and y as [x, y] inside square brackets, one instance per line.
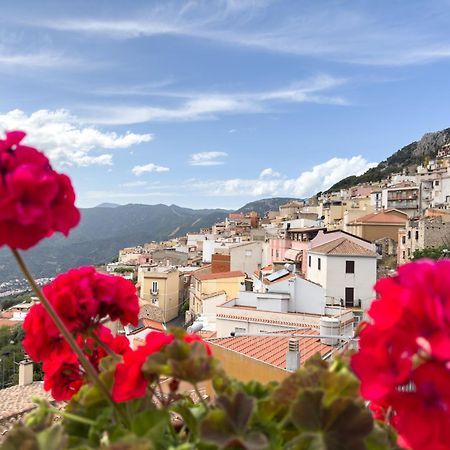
[217, 103]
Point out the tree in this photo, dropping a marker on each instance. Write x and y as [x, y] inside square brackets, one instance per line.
[432, 253]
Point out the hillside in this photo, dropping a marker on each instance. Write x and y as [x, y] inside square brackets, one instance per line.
[407, 157]
[103, 231]
[265, 205]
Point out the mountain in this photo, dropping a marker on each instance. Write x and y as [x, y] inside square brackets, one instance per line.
[266, 204]
[108, 205]
[407, 157]
[103, 231]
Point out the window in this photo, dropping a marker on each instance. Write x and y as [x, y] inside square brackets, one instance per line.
[154, 287]
[417, 235]
[403, 239]
[349, 266]
[239, 330]
[309, 261]
[409, 252]
[409, 234]
[436, 183]
[318, 263]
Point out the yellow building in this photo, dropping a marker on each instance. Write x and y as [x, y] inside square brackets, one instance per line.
[160, 286]
[205, 284]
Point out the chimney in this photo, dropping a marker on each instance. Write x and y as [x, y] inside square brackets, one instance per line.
[25, 372]
[293, 355]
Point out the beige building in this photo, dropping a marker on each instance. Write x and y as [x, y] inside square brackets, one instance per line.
[160, 286]
[419, 234]
[205, 285]
[378, 225]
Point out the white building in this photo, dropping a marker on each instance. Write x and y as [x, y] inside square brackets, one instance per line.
[282, 301]
[346, 270]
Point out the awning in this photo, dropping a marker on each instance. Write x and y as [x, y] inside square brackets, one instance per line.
[293, 255]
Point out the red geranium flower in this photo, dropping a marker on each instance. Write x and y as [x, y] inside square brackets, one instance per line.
[82, 297]
[35, 200]
[129, 381]
[404, 357]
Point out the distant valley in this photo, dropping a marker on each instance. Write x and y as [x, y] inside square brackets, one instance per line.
[107, 228]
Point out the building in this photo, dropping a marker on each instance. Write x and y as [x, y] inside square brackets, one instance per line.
[160, 286]
[269, 357]
[378, 225]
[247, 256]
[346, 270]
[205, 285]
[403, 197]
[419, 234]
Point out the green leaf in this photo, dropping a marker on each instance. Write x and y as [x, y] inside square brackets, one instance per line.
[151, 424]
[306, 412]
[53, 438]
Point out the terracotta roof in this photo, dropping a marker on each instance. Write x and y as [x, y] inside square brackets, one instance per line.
[272, 349]
[342, 246]
[153, 324]
[383, 217]
[219, 275]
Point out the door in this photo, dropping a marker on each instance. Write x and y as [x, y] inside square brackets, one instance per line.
[349, 297]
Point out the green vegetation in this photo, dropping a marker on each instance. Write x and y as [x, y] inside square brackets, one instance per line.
[11, 353]
[123, 270]
[14, 299]
[432, 253]
[409, 156]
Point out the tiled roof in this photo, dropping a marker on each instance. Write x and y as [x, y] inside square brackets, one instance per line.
[18, 399]
[343, 246]
[272, 349]
[153, 324]
[219, 275]
[151, 312]
[383, 217]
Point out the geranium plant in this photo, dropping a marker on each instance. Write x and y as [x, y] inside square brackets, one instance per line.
[152, 396]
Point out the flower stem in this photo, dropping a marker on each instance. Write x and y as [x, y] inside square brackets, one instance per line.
[200, 396]
[90, 371]
[72, 417]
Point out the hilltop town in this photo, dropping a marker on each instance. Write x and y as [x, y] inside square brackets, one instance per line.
[311, 263]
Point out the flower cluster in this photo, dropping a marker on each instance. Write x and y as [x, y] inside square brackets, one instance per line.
[35, 201]
[130, 381]
[404, 357]
[81, 298]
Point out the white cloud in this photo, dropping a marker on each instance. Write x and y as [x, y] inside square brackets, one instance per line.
[325, 30]
[65, 140]
[147, 168]
[319, 178]
[206, 106]
[207, 159]
[269, 173]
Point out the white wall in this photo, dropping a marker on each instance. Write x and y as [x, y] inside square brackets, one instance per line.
[210, 305]
[210, 247]
[313, 273]
[362, 280]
